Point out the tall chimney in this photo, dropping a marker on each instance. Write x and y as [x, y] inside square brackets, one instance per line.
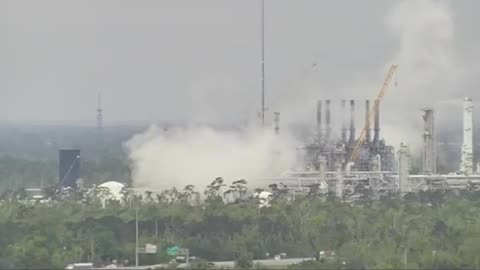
[344, 124]
[429, 143]
[319, 120]
[352, 122]
[376, 136]
[328, 128]
[367, 121]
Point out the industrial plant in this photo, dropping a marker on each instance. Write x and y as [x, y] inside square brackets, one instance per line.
[349, 166]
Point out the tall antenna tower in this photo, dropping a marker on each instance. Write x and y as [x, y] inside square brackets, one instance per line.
[99, 114]
[263, 60]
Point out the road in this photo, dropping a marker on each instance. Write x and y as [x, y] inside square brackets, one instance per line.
[269, 262]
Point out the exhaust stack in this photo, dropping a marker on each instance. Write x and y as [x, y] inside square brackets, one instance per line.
[352, 123]
[319, 120]
[429, 143]
[367, 121]
[328, 116]
[376, 135]
[344, 124]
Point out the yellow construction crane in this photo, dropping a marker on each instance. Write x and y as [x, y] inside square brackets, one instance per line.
[361, 139]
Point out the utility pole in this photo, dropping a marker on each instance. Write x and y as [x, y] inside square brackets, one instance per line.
[136, 236]
[263, 60]
[92, 250]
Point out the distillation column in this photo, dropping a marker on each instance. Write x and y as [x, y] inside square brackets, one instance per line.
[429, 143]
[466, 166]
[403, 168]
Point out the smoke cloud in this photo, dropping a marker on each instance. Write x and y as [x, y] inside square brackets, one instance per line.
[429, 73]
[422, 36]
[197, 155]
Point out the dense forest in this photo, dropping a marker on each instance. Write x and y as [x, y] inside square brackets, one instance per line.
[425, 230]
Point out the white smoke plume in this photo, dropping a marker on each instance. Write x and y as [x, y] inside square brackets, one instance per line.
[197, 155]
[428, 75]
[428, 71]
[423, 36]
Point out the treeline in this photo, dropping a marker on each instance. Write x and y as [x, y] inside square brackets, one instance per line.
[425, 230]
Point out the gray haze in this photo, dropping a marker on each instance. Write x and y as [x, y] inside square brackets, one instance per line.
[198, 61]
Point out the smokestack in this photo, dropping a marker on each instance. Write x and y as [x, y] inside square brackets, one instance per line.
[367, 121]
[429, 143]
[344, 124]
[277, 122]
[319, 120]
[328, 128]
[376, 135]
[352, 122]
[466, 167]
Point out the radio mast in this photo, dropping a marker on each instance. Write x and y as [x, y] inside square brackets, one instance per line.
[262, 18]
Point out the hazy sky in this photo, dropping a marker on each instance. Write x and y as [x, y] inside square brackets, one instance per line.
[183, 60]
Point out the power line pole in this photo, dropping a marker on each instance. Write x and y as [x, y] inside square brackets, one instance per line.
[136, 236]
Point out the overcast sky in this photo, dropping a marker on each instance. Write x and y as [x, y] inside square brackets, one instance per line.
[190, 60]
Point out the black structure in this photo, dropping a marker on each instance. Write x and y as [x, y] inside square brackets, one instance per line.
[374, 155]
[69, 167]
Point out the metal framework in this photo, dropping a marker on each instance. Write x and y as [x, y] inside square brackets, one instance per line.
[381, 94]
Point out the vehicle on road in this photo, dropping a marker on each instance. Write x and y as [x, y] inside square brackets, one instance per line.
[80, 266]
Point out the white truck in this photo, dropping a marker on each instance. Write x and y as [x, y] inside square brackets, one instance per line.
[80, 266]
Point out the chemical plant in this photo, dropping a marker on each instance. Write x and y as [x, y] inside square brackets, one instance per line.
[348, 166]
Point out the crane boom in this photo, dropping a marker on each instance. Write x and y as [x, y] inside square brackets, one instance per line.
[381, 94]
